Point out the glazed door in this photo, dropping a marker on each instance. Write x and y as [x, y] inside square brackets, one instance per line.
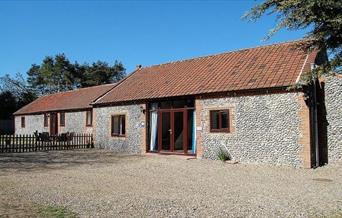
[172, 131]
[178, 131]
[165, 131]
[53, 124]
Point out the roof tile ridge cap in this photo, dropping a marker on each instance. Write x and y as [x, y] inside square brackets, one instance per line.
[76, 90]
[58, 93]
[83, 88]
[230, 52]
[116, 85]
[103, 94]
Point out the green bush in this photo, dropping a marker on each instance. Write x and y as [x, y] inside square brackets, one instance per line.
[223, 155]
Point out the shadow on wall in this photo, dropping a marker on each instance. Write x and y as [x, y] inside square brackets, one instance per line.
[322, 124]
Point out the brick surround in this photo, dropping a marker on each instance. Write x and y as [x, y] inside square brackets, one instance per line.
[304, 128]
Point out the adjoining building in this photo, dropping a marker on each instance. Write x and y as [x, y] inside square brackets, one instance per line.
[69, 111]
[246, 103]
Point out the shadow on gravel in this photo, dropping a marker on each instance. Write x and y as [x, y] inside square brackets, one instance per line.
[59, 159]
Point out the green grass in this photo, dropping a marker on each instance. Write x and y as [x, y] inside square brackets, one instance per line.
[55, 212]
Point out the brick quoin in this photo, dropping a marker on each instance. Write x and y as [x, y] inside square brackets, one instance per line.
[304, 128]
[199, 146]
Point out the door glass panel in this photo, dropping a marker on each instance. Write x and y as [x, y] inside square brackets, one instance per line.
[190, 130]
[166, 129]
[178, 131]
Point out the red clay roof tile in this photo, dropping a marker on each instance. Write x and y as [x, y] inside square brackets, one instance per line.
[69, 100]
[277, 65]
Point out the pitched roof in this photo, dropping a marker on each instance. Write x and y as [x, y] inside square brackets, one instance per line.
[277, 65]
[69, 100]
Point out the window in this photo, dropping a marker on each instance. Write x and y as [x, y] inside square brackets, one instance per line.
[219, 121]
[118, 125]
[46, 124]
[22, 122]
[62, 119]
[89, 118]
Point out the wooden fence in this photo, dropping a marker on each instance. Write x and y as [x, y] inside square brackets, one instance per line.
[32, 143]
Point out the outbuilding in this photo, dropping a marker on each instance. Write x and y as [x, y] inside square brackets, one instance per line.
[247, 103]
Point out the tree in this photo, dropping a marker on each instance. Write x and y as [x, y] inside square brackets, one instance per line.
[8, 105]
[101, 73]
[322, 17]
[15, 85]
[57, 74]
[14, 94]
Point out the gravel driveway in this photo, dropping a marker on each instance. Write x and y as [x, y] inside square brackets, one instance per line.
[98, 183]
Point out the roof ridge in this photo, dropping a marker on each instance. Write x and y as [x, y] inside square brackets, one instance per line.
[229, 52]
[115, 86]
[87, 90]
[105, 93]
[78, 89]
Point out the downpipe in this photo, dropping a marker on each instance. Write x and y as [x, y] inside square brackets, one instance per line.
[315, 119]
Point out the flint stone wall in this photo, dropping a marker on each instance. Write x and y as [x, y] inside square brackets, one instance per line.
[265, 129]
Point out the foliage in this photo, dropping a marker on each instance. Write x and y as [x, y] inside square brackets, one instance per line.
[16, 85]
[56, 212]
[56, 74]
[53, 75]
[101, 73]
[223, 155]
[14, 94]
[322, 17]
[8, 105]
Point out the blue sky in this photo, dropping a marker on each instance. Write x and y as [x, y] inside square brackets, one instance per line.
[133, 32]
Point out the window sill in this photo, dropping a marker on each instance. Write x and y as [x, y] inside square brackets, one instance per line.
[118, 136]
[219, 131]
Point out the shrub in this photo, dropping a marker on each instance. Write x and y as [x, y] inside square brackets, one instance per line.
[223, 155]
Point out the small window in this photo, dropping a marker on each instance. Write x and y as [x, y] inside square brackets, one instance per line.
[46, 121]
[219, 121]
[22, 122]
[118, 125]
[89, 118]
[62, 119]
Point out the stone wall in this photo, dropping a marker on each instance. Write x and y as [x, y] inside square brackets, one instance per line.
[265, 129]
[32, 123]
[134, 140]
[74, 122]
[333, 105]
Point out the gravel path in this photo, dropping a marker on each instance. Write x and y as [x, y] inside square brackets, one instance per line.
[98, 183]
